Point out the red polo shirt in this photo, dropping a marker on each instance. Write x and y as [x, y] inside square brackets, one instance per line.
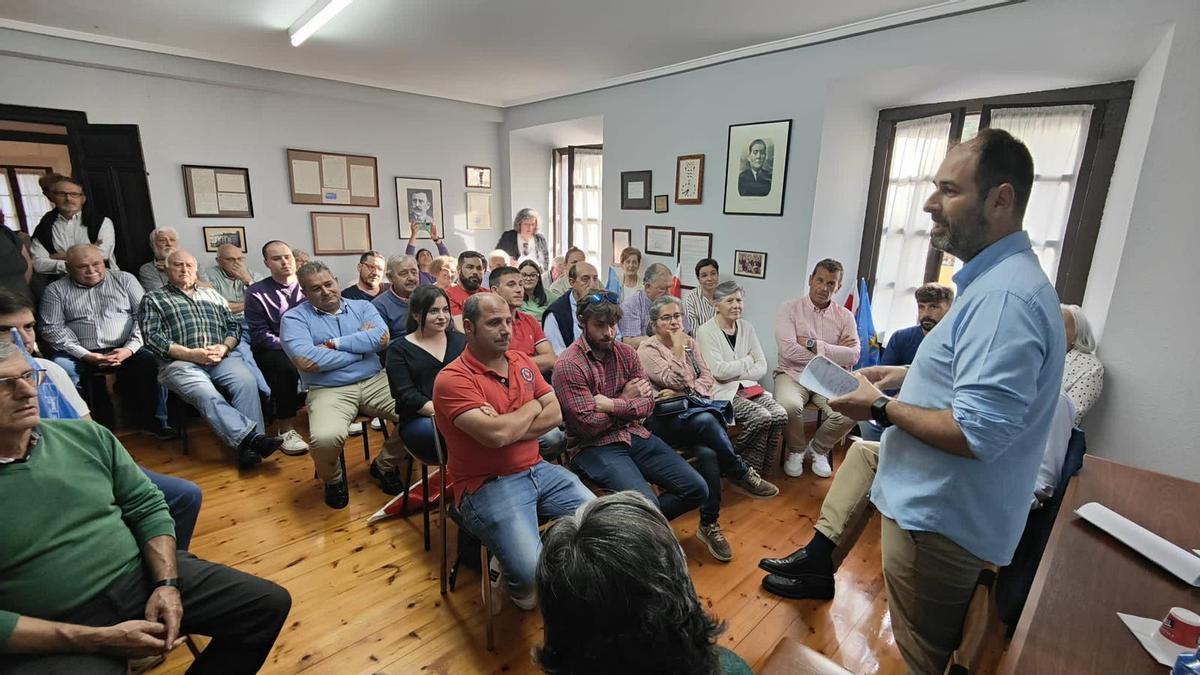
[458, 297]
[526, 334]
[466, 384]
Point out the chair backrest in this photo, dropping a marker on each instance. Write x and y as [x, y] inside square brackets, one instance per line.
[965, 658]
[792, 657]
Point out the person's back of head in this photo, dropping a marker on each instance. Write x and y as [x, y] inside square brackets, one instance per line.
[616, 596]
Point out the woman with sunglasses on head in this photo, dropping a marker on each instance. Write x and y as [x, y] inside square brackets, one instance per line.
[536, 300]
[687, 416]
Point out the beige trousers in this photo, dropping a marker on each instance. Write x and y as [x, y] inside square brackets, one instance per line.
[332, 409]
[847, 507]
[793, 398]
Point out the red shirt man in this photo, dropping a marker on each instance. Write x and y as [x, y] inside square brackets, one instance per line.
[470, 279]
[527, 335]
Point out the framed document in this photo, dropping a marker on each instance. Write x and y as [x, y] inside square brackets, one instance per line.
[217, 191]
[635, 190]
[693, 247]
[419, 200]
[751, 264]
[479, 177]
[662, 203]
[660, 240]
[689, 179]
[756, 168]
[216, 237]
[479, 211]
[621, 240]
[333, 179]
[341, 233]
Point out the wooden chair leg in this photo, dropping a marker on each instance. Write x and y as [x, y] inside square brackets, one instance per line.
[366, 442]
[487, 597]
[425, 496]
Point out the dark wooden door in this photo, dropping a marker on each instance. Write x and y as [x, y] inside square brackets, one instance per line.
[114, 169]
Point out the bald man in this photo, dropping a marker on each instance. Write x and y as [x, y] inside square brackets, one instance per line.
[231, 276]
[558, 323]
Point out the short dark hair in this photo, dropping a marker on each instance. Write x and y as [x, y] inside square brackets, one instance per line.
[14, 302]
[829, 265]
[471, 254]
[494, 277]
[630, 252]
[756, 142]
[48, 180]
[419, 304]
[616, 597]
[707, 262]
[274, 241]
[932, 292]
[59, 178]
[472, 307]
[312, 267]
[370, 254]
[608, 312]
[1003, 159]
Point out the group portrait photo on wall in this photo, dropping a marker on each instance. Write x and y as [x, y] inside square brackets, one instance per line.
[756, 168]
[418, 200]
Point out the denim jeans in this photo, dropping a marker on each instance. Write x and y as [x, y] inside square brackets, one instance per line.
[504, 514]
[628, 467]
[183, 499]
[198, 386]
[704, 435]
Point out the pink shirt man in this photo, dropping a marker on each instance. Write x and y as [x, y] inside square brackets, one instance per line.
[832, 329]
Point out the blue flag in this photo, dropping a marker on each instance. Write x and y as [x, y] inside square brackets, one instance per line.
[614, 281]
[51, 402]
[867, 340]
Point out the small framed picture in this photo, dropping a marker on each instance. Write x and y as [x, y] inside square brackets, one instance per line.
[217, 236]
[479, 211]
[479, 177]
[660, 240]
[661, 203]
[341, 233]
[621, 240]
[635, 190]
[751, 264]
[419, 200]
[689, 179]
[756, 168]
[217, 191]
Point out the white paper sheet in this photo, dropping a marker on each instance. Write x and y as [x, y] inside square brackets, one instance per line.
[231, 182]
[233, 201]
[355, 235]
[333, 171]
[1146, 631]
[204, 191]
[1170, 557]
[328, 233]
[658, 240]
[637, 190]
[362, 181]
[479, 211]
[827, 378]
[306, 177]
[692, 249]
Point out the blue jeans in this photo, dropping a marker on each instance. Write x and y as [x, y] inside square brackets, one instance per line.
[198, 386]
[183, 500]
[627, 467]
[704, 436]
[504, 514]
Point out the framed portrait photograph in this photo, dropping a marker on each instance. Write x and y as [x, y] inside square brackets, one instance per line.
[635, 190]
[217, 236]
[689, 179]
[479, 211]
[419, 200]
[217, 191]
[751, 264]
[341, 233]
[756, 168]
[660, 240]
[662, 203]
[479, 177]
[621, 240]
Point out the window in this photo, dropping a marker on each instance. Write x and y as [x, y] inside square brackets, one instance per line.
[1073, 135]
[21, 197]
[578, 180]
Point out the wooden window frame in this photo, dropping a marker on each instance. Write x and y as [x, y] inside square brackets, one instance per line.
[563, 230]
[27, 221]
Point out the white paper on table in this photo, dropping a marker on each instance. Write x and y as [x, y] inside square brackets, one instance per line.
[204, 191]
[827, 378]
[333, 171]
[328, 235]
[692, 249]
[1146, 631]
[354, 233]
[637, 189]
[658, 240]
[233, 201]
[306, 177]
[1170, 557]
[231, 182]
[362, 181]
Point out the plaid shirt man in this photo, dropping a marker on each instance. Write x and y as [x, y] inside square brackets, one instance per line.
[579, 375]
[170, 316]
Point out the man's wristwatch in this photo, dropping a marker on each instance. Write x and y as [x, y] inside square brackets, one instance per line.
[879, 411]
[171, 583]
[810, 344]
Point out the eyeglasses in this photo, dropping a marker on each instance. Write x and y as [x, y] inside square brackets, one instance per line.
[60, 193]
[530, 275]
[33, 378]
[670, 317]
[602, 296]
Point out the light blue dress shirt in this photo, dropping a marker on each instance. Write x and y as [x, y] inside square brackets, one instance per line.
[995, 360]
[304, 330]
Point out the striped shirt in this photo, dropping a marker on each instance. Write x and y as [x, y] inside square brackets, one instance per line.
[170, 316]
[80, 319]
[697, 308]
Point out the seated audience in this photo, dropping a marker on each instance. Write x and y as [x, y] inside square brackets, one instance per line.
[559, 322]
[370, 278]
[536, 301]
[933, 301]
[527, 335]
[392, 304]
[491, 405]
[809, 326]
[616, 597]
[698, 303]
[231, 277]
[675, 367]
[193, 333]
[424, 257]
[470, 281]
[731, 349]
[524, 242]
[562, 284]
[443, 270]
[605, 396]
[89, 319]
[153, 275]
[266, 303]
[333, 342]
[70, 222]
[1083, 375]
[635, 309]
[629, 277]
[91, 576]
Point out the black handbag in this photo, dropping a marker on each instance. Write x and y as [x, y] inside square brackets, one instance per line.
[671, 406]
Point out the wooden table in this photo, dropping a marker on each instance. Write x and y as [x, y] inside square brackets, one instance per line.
[1070, 622]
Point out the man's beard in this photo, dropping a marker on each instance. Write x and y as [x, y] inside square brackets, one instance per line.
[470, 283]
[964, 239]
[928, 324]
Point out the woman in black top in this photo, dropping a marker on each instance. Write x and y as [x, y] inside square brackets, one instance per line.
[413, 363]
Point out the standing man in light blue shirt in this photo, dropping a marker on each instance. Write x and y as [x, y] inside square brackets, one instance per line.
[333, 342]
[964, 438]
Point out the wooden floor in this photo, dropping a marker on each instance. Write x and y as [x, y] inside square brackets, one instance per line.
[366, 597]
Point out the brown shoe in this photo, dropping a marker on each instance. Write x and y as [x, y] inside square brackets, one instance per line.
[755, 485]
[714, 539]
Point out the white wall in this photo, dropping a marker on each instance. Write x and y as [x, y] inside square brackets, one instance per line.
[250, 122]
[833, 92]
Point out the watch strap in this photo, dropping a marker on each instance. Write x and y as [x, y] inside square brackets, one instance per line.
[879, 411]
[170, 583]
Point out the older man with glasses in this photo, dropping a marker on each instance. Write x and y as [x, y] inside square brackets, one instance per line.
[70, 222]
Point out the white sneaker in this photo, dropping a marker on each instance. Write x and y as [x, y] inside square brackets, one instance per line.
[293, 443]
[496, 579]
[794, 466]
[376, 424]
[355, 429]
[820, 463]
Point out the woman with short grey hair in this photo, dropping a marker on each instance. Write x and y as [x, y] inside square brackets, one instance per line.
[735, 357]
[1083, 374]
[524, 242]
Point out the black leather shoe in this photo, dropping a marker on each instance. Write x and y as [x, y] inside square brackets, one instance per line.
[162, 432]
[337, 495]
[264, 445]
[807, 587]
[795, 565]
[389, 481]
[248, 458]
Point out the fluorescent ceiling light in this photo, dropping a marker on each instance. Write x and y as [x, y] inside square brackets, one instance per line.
[312, 20]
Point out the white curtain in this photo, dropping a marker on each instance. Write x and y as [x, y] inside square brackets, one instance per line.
[917, 151]
[586, 184]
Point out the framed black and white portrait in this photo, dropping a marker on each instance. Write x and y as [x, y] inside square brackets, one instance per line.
[751, 264]
[756, 168]
[419, 200]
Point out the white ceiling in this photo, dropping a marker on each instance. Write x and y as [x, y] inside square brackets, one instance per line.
[498, 52]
